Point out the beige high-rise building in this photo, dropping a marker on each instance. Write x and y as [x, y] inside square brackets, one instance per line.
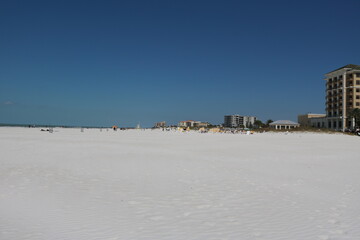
[342, 95]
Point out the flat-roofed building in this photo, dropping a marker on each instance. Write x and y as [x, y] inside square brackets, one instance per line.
[249, 121]
[236, 120]
[160, 124]
[232, 120]
[192, 123]
[305, 120]
[203, 124]
[318, 122]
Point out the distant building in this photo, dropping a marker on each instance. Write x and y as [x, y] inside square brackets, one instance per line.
[192, 123]
[307, 120]
[188, 123]
[284, 124]
[160, 124]
[249, 121]
[203, 124]
[234, 121]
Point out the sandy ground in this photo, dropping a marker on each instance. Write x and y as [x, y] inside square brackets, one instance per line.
[73, 185]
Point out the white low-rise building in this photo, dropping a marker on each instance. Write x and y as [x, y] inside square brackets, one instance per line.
[284, 124]
[192, 123]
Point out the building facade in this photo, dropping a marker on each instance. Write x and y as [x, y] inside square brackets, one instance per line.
[234, 121]
[342, 95]
[249, 121]
[160, 124]
[231, 121]
[192, 123]
[308, 120]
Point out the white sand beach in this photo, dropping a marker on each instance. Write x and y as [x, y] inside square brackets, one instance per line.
[73, 185]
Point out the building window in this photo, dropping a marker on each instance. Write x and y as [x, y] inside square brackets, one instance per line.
[357, 104]
[358, 75]
[358, 90]
[357, 82]
[357, 96]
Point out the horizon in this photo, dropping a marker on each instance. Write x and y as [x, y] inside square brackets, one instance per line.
[76, 63]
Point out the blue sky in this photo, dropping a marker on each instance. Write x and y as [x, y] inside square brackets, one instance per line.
[101, 63]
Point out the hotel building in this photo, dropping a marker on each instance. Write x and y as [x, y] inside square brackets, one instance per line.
[342, 95]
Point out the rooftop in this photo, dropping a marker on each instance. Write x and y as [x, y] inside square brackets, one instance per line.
[352, 66]
[284, 122]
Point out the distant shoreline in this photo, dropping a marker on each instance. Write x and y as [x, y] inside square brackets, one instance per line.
[48, 126]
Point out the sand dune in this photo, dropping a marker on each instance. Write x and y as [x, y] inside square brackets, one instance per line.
[169, 185]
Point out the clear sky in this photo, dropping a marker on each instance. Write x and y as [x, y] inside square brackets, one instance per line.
[101, 63]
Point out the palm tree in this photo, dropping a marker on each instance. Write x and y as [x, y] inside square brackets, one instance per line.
[258, 124]
[354, 114]
[268, 122]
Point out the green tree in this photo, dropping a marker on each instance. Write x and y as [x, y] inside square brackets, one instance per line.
[268, 122]
[355, 114]
[258, 124]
